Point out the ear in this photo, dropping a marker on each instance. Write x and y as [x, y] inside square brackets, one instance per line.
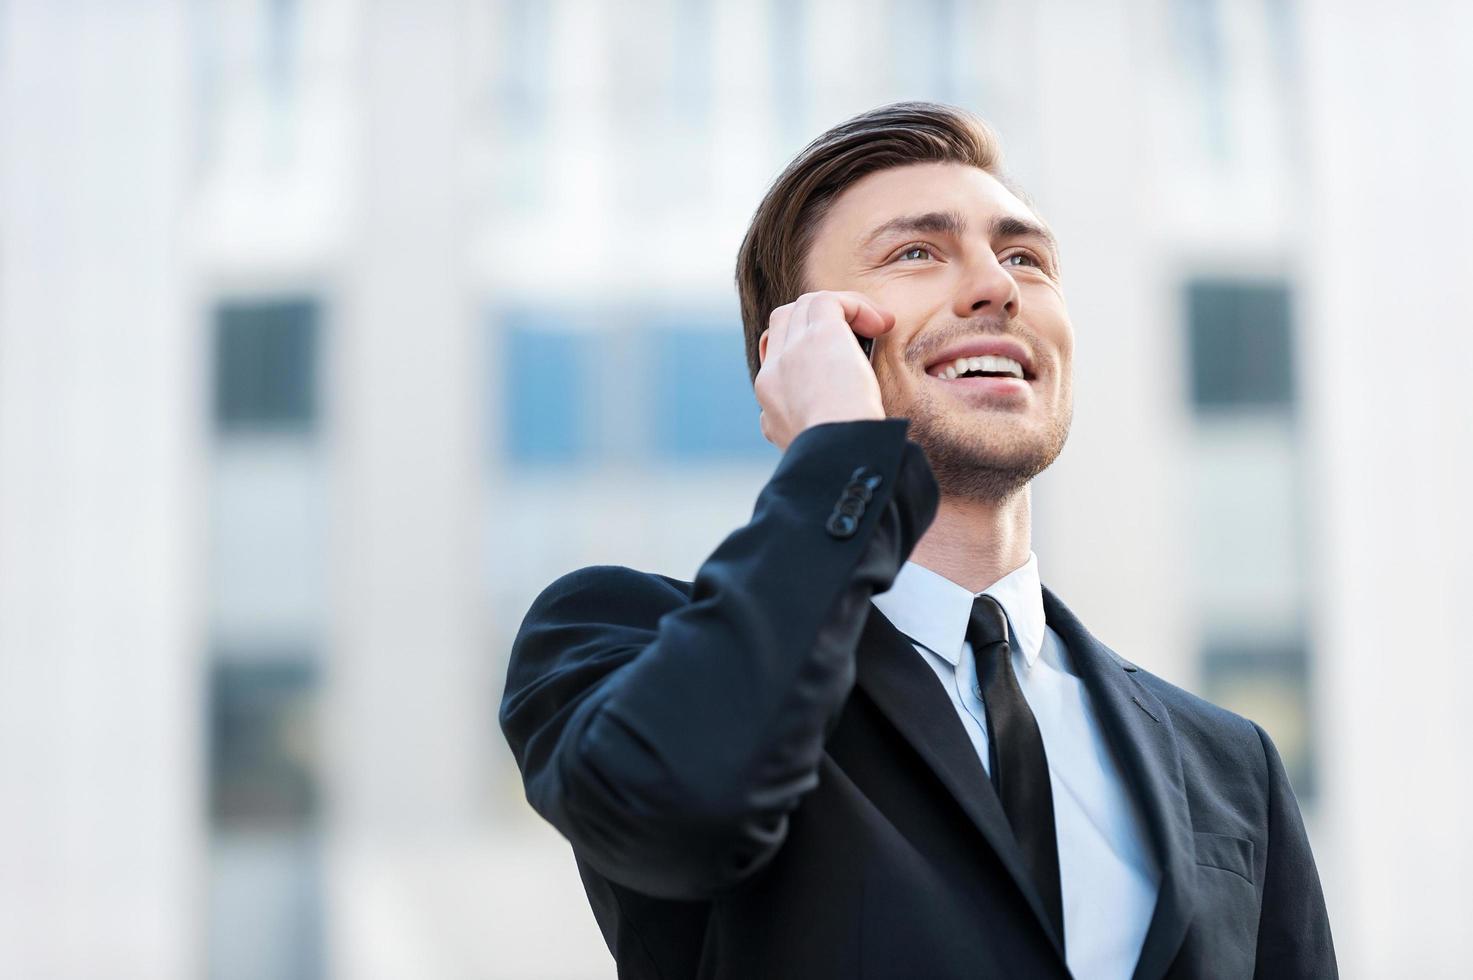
[762, 348]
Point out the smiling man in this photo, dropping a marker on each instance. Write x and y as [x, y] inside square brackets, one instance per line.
[866, 740]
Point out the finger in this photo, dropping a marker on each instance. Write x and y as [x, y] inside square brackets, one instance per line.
[777, 330]
[798, 321]
[862, 314]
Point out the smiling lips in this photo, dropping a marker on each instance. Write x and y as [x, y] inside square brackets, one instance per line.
[1001, 359]
[981, 366]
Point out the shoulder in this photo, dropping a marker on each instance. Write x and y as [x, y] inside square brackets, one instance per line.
[604, 591]
[595, 608]
[1192, 716]
[1195, 716]
[1214, 741]
[578, 631]
[1223, 754]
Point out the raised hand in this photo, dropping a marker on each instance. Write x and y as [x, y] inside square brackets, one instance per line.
[812, 370]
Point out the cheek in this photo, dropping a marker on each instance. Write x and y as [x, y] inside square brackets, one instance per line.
[1066, 351]
[897, 387]
[915, 297]
[1061, 335]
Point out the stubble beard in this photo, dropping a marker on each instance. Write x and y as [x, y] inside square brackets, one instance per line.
[987, 463]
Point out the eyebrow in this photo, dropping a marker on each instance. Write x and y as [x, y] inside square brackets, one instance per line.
[952, 223]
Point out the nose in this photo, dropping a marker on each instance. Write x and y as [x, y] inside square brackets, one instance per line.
[987, 289]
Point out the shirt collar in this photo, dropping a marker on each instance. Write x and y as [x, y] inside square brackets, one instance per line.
[934, 611]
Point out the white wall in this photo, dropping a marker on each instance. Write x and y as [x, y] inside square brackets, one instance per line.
[100, 498]
[1389, 258]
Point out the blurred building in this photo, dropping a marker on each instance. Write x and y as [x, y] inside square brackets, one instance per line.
[331, 332]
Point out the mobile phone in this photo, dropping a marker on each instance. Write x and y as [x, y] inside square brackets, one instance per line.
[867, 344]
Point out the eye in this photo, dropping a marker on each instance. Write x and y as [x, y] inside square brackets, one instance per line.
[1023, 255]
[915, 253]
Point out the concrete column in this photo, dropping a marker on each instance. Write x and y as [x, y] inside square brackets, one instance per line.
[1117, 483]
[1389, 338]
[409, 686]
[100, 436]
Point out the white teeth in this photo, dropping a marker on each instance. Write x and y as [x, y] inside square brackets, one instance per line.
[985, 362]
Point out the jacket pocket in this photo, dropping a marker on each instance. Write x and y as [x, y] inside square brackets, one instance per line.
[1228, 853]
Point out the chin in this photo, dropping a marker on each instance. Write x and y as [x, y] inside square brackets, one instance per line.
[987, 460]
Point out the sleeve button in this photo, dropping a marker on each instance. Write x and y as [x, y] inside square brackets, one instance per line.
[841, 525]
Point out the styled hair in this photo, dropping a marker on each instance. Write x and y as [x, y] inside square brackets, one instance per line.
[769, 269]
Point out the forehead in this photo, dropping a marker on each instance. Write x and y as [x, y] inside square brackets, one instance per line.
[914, 189]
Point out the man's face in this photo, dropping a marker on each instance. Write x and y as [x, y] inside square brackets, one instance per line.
[968, 270]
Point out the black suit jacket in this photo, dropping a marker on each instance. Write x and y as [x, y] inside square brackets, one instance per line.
[760, 777]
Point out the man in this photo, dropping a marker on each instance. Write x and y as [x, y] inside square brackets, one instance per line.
[866, 741]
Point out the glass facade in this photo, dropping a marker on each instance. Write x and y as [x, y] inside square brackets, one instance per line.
[263, 742]
[267, 610]
[1247, 536]
[1241, 351]
[545, 371]
[266, 365]
[703, 404]
[625, 386]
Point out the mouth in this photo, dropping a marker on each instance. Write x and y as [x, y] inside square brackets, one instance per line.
[980, 366]
[993, 362]
[986, 370]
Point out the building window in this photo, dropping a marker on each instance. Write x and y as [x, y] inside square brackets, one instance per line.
[922, 45]
[547, 370]
[624, 386]
[1248, 577]
[281, 49]
[1200, 36]
[522, 104]
[263, 744]
[1240, 344]
[265, 368]
[703, 404]
[788, 58]
[691, 63]
[265, 887]
[1268, 683]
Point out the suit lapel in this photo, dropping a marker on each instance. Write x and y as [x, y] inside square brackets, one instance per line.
[894, 676]
[1140, 732]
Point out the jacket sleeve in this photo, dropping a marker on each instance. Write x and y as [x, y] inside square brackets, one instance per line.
[668, 738]
[1293, 926]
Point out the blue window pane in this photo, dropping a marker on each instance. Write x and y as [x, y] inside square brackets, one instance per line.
[788, 41]
[923, 43]
[545, 374]
[704, 406]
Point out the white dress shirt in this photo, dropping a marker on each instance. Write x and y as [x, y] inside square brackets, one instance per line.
[1108, 876]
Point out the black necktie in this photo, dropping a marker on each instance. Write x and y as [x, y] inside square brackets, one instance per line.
[1019, 765]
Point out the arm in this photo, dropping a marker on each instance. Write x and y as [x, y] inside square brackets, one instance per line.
[1293, 926]
[668, 739]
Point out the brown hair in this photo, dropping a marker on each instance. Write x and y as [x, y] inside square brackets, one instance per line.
[769, 270]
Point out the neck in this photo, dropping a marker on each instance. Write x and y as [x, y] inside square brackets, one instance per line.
[975, 542]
